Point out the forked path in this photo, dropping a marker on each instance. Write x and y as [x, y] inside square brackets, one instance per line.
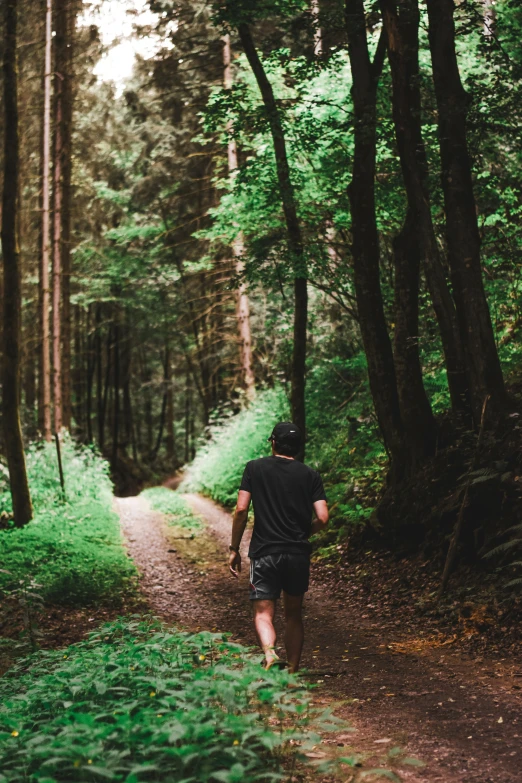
[462, 718]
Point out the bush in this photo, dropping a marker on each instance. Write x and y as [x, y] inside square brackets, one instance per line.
[138, 702]
[72, 549]
[219, 463]
[343, 444]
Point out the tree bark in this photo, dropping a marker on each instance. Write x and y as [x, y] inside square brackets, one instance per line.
[45, 298]
[91, 368]
[60, 48]
[401, 23]
[116, 400]
[243, 303]
[462, 234]
[365, 240]
[419, 423]
[293, 229]
[171, 440]
[188, 395]
[64, 41]
[22, 507]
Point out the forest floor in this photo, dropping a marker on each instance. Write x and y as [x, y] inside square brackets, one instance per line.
[460, 715]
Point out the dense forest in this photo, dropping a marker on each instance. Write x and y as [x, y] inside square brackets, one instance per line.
[293, 209]
[315, 198]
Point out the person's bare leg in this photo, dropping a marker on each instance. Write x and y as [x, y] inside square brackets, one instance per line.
[264, 624]
[294, 629]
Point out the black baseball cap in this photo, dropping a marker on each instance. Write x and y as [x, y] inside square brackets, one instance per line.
[286, 433]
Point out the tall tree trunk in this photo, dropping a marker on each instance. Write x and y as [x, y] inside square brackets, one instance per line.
[164, 405]
[365, 247]
[116, 400]
[401, 23]
[66, 11]
[170, 442]
[60, 49]
[22, 508]
[419, 423]
[318, 36]
[126, 362]
[243, 304]
[91, 368]
[106, 389]
[293, 229]
[188, 395]
[78, 374]
[45, 296]
[483, 366]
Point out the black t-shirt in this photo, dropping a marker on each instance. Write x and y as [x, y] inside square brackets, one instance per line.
[283, 493]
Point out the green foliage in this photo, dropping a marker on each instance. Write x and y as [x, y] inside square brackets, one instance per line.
[139, 702]
[72, 549]
[343, 444]
[219, 463]
[173, 506]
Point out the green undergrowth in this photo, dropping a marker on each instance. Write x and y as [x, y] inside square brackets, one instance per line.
[343, 444]
[72, 551]
[138, 701]
[218, 467]
[175, 508]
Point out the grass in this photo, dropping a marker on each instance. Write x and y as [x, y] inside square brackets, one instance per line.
[72, 551]
[218, 467]
[139, 702]
[175, 508]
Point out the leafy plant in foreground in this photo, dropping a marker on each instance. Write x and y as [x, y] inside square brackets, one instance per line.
[138, 702]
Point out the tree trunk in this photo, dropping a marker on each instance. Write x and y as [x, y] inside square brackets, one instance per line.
[91, 368]
[365, 247]
[64, 43]
[293, 229]
[318, 36]
[116, 400]
[99, 376]
[419, 423]
[171, 442]
[22, 508]
[60, 44]
[126, 361]
[243, 304]
[187, 414]
[403, 52]
[462, 234]
[106, 390]
[45, 298]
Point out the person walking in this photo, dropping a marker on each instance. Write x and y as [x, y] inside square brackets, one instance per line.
[285, 494]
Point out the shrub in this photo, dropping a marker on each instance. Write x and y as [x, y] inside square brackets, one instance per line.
[72, 549]
[219, 463]
[138, 702]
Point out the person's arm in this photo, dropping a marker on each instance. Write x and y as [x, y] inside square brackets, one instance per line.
[322, 516]
[238, 528]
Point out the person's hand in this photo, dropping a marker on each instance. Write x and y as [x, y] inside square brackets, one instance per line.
[234, 562]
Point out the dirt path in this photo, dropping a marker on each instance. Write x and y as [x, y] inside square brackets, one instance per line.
[463, 718]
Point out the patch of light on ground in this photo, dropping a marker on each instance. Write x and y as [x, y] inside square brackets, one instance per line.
[117, 21]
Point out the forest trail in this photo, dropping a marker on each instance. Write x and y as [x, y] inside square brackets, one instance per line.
[463, 718]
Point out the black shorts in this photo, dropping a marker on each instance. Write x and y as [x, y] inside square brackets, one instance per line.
[271, 574]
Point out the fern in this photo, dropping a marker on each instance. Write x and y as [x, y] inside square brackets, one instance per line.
[504, 547]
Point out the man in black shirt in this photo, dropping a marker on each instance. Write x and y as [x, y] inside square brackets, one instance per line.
[285, 493]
